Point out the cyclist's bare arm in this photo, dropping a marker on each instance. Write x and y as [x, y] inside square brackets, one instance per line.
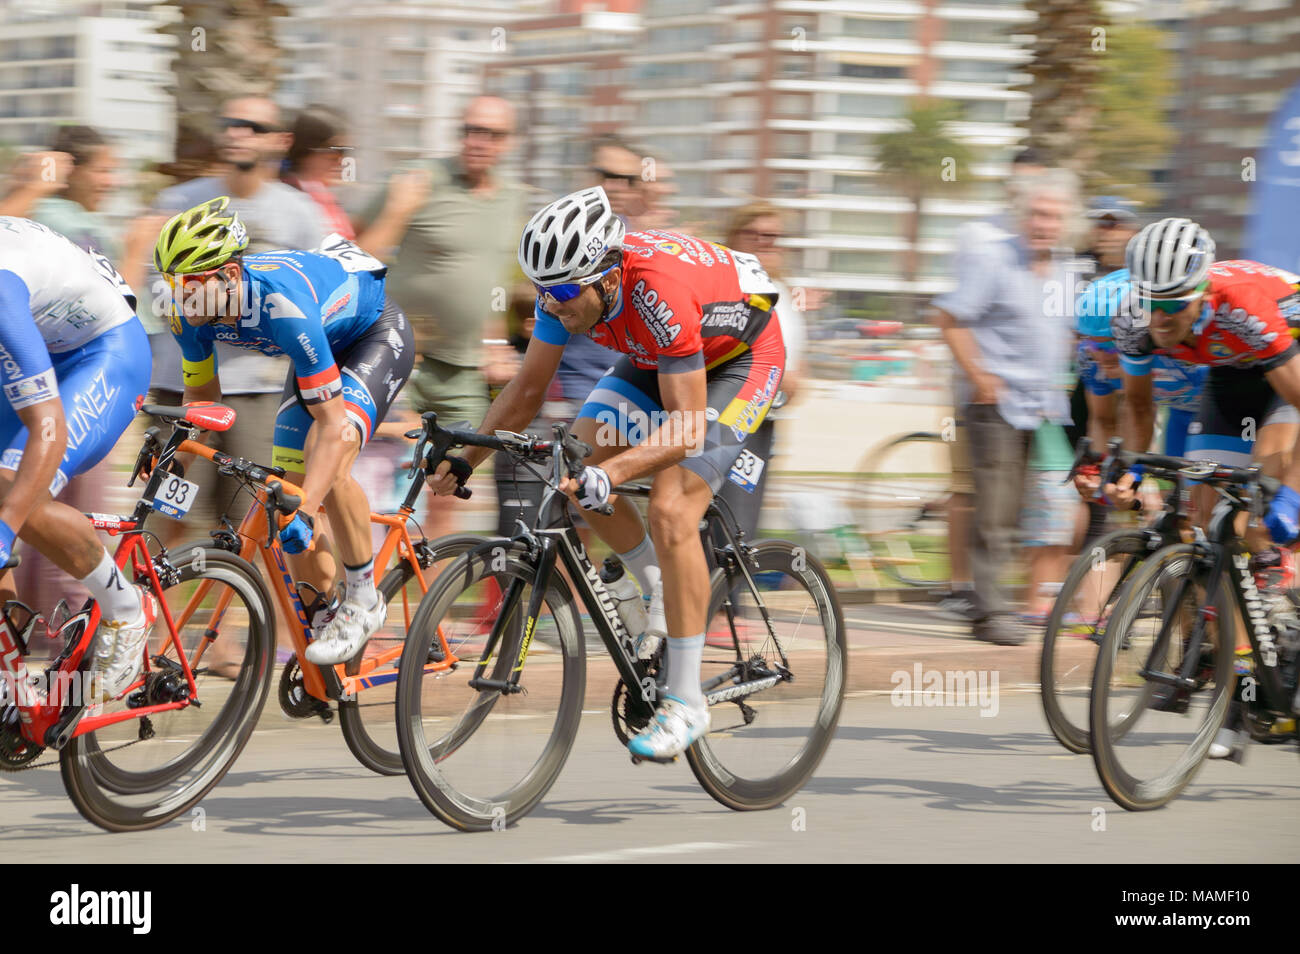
[47, 439]
[684, 395]
[1140, 398]
[518, 402]
[331, 445]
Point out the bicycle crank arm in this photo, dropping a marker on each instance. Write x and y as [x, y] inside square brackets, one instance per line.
[504, 686]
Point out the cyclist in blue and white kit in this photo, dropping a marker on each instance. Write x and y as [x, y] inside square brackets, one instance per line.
[351, 349]
[1148, 381]
[69, 362]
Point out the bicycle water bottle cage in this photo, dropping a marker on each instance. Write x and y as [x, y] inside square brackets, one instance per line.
[22, 625]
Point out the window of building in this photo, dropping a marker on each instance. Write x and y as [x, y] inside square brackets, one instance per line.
[879, 29]
[867, 223]
[865, 263]
[875, 107]
[976, 71]
[976, 31]
[872, 71]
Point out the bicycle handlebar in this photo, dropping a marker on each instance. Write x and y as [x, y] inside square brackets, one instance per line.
[571, 451]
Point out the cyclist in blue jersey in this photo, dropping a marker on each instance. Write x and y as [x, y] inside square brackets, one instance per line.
[1147, 382]
[351, 350]
[67, 330]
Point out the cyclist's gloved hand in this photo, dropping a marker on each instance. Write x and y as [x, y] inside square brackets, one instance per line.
[593, 488]
[6, 542]
[296, 534]
[1283, 518]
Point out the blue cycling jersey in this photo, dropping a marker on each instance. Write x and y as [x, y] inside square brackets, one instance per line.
[306, 305]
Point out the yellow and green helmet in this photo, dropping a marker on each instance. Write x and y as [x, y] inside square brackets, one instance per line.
[200, 239]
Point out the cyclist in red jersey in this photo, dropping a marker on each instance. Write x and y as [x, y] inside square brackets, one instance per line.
[1236, 317]
[702, 360]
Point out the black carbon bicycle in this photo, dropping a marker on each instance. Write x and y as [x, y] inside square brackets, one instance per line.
[484, 739]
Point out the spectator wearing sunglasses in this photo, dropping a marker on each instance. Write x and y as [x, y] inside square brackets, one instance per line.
[448, 226]
[315, 163]
[250, 146]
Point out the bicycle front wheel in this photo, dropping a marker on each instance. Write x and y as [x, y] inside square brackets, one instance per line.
[1149, 738]
[141, 773]
[367, 720]
[777, 683]
[1075, 628]
[480, 756]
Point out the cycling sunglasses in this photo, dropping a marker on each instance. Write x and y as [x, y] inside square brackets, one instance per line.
[1171, 306]
[568, 291]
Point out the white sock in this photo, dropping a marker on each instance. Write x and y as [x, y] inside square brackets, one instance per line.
[643, 563]
[359, 584]
[117, 597]
[684, 669]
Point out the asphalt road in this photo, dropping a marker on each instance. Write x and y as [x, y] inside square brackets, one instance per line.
[899, 784]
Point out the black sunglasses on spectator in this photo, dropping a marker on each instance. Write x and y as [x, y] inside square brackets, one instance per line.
[496, 135]
[229, 122]
[631, 179]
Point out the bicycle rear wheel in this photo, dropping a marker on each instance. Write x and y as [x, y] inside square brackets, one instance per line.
[367, 720]
[1075, 628]
[141, 773]
[764, 746]
[1148, 738]
[481, 758]
[900, 506]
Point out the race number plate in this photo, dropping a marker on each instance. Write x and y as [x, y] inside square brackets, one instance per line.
[746, 471]
[175, 497]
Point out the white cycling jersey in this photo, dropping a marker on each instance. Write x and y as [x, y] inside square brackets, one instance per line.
[76, 295]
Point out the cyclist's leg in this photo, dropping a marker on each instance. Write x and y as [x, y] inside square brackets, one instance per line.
[100, 394]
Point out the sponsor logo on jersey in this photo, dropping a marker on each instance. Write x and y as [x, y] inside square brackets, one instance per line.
[672, 248]
[335, 308]
[33, 390]
[1251, 329]
[749, 415]
[261, 265]
[1290, 308]
[307, 348]
[12, 370]
[395, 342]
[656, 314]
[1220, 350]
[731, 314]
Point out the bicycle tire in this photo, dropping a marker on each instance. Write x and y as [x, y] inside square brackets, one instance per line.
[727, 783]
[1052, 672]
[154, 796]
[427, 761]
[1117, 747]
[883, 513]
[368, 743]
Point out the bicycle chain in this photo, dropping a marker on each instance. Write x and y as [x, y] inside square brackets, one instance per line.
[55, 760]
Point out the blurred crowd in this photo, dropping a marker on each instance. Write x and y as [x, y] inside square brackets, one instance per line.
[448, 228]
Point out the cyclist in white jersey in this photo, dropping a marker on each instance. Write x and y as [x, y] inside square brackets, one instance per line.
[74, 369]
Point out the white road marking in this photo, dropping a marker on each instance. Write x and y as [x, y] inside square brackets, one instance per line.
[626, 854]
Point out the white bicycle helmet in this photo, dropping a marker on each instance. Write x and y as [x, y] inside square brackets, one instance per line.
[1169, 258]
[566, 240]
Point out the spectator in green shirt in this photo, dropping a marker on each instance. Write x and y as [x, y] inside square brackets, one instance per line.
[450, 228]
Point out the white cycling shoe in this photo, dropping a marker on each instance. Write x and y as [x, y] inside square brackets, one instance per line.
[119, 649]
[345, 635]
[672, 731]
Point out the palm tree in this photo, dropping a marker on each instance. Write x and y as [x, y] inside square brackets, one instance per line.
[920, 160]
[1068, 60]
[224, 48]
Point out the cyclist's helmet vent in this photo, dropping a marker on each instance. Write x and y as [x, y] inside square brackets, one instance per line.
[200, 239]
[566, 240]
[1170, 258]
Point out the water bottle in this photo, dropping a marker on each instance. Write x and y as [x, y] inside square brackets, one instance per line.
[627, 596]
